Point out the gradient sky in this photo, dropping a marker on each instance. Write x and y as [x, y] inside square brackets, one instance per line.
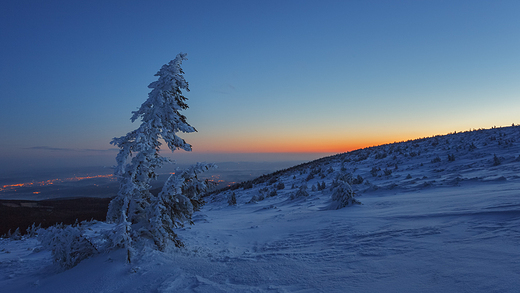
[265, 76]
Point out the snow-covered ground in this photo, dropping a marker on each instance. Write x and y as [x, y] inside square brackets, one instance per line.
[438, 215]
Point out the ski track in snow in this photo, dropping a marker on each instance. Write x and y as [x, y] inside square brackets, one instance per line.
[429, 226]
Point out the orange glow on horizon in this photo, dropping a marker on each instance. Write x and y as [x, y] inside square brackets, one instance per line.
[290, 147]
[313, 142]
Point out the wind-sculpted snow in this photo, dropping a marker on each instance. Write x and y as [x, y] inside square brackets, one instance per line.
[446, 219]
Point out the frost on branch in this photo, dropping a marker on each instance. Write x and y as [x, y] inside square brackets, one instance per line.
[175, 204]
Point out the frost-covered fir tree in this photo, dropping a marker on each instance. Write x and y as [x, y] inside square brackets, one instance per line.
[342, 192]
[139, 157]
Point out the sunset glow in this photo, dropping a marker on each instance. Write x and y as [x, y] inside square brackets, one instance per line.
[276, 77]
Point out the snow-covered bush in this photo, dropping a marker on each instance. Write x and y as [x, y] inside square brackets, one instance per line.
[496, 160]
[248, 184]
[16, 235]
[254, 199]
[232, 201]
[374, 171]
[32, 231]
[342, 196]
[67, 244]
[342, 192]
[358, 180]
[301, 192]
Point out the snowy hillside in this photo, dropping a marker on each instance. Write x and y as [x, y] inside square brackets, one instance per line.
[438, 214]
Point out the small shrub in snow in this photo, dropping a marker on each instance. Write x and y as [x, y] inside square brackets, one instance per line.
[380, 156]
[280, 186]
[358, 180]
[301, 192]
[344, 176]
[248, 185]
[451, 158]
[496, 160]
[436, 160]
[67, 244]
[342, 196]
[362, 156]
[273, 193]
[254, 199]
[16, 235]
[409, 176]
[309, 177]
[32, 231]
[374, 171]
[232, 201]
[387, 172]
[313, 188]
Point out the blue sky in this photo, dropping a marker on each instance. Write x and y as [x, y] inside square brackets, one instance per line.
[265, 76]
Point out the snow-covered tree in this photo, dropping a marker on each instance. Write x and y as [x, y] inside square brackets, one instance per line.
[160, 118]
[342, 192]
[137, 211]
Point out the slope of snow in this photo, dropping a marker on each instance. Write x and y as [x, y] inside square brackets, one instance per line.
[423, 226]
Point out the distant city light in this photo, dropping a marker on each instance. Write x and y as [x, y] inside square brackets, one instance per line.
[13, 187]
